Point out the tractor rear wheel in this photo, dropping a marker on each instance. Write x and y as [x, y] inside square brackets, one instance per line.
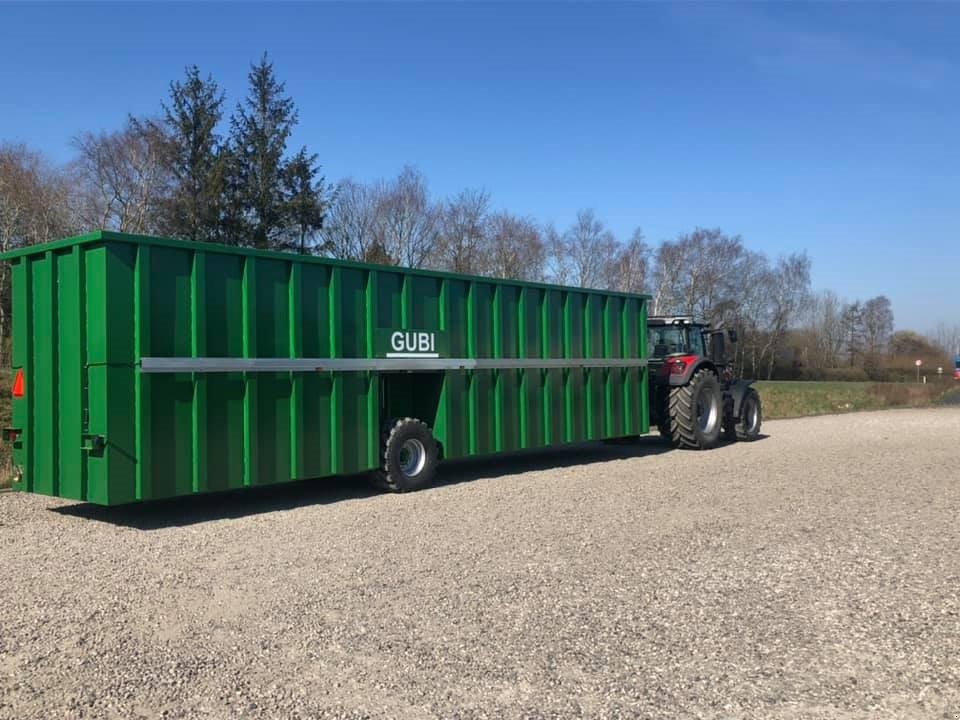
[695, 412]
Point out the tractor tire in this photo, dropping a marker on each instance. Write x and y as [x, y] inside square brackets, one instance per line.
[747, 427]
[410, 456]
[695, 412]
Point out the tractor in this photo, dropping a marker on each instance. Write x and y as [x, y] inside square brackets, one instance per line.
[695, 398]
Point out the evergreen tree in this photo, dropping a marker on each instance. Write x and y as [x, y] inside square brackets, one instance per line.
[194, 157]
[306, 197]
[260, 129]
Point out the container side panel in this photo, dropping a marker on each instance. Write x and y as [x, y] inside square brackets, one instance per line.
[315, 417]
[425, 310]
[144, 412]
[222, 432]
[43, 385]
[95, 304]
[121, 437]
[352, 312]
[456, 318]
[510, 398]
[317, 423]
[250, 404]
[170, 302]
[121, 448]
[575, 384]
[531, 394]
[22, 330]
[556, 422]
[315, 299]
[553, 321]
[272, 309]
[389, 300]
[482, 390]
[70, 370]
[455, 435]
[641, 336]
[482, 321]
[171, 397]
[509, 321]
[274, 438]
[351, 400]
[355, 422]
[223, 287]
[273, 421]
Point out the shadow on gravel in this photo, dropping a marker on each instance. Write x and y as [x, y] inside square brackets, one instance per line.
[194, 509]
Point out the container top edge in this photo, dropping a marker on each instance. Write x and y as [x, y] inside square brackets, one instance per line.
[111, 236]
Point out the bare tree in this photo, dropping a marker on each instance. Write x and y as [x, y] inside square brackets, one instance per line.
[877, 324]
[590, 249]
[33, 209]
[700, 273]
[516, 249]
[948, 338]
[826, 330]
[788, 288]
[462, 245]
[406, 226]
[121, 181]
[349, 229]
[558, 266]
[630, 267]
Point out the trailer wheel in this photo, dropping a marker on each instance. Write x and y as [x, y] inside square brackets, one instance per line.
[695, 412]
[747, 427]
[410, 456]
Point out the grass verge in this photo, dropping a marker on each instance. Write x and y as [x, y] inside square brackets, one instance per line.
[797, 399]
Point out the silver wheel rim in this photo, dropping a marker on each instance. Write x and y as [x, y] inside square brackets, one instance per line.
[753, 417]
[707, 414]
[413, 456]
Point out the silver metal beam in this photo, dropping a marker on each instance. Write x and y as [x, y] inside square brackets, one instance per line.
[222, 365]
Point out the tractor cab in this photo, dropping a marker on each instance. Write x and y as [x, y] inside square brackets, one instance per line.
[670, 339]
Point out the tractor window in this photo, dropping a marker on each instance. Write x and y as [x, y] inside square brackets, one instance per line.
[696, 342]
[667, 340]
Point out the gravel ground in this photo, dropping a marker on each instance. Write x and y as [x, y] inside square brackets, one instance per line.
[812, 574]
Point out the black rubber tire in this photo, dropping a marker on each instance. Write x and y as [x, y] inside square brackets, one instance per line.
[683, 421]
[392, 475]
[747, 427]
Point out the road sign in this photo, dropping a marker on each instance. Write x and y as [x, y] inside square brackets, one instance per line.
[918, 363]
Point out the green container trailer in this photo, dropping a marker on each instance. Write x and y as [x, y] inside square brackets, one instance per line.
[150, 368]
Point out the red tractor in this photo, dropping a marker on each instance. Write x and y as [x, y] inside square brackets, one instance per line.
[695, 398]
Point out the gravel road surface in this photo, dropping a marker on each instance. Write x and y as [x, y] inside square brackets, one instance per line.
[812, 574]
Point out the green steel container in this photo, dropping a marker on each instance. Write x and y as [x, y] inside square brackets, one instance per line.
[153, 368]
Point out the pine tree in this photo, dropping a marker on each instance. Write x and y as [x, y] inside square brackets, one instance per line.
[194, 157]
[306, 197]
[260, 128]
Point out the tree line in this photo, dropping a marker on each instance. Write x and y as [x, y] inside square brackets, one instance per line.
[193, 172]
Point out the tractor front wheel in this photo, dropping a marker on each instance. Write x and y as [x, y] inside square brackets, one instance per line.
[695, 413]
[751, 415]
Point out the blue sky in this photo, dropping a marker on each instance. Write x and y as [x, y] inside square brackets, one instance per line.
[821, 127]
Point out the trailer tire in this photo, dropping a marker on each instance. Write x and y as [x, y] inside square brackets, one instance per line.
[409, 456]
[747, 427]
[695, 412]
